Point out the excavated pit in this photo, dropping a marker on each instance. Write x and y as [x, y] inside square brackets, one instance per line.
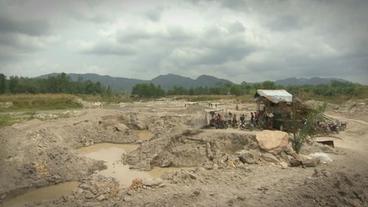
[210, 167]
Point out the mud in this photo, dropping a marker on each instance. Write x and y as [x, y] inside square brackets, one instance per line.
[112, 154]
[42, 194]
[173, 162]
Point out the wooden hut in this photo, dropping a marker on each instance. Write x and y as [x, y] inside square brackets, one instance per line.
[274, 108]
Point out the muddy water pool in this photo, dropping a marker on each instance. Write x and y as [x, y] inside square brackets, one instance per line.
[41, 194]
[112, 154]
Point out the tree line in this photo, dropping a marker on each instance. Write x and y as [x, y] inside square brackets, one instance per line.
[335, 88]
[60, 83]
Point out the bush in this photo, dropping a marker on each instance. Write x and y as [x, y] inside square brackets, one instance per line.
[309, 127]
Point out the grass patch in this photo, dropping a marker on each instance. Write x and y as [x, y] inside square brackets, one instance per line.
[196, 98]
[32, 102]
[7, 120]
[107, 99]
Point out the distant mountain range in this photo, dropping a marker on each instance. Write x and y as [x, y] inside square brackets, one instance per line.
[165, 81]
[170, 80]
[306, 81]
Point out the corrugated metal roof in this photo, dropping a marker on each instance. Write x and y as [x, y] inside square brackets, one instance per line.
[275, 96]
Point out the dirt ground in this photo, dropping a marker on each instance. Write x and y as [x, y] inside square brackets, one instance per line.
[219, 167]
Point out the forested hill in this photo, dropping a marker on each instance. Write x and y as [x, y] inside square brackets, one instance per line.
[115, 83]
[165, 81]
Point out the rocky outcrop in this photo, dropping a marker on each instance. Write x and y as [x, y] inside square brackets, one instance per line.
[273, 141]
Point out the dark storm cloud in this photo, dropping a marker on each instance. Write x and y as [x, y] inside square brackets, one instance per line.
[285, 23]
[28, 27]
[236, 39]
[221, 54]
[20, 37]
[234, 4]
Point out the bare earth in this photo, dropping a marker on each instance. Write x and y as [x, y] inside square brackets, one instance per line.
[39, 153]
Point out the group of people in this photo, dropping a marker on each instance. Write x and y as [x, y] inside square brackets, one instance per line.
[228, 120]
[331, 126]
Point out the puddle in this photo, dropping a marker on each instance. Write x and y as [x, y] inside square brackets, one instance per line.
[42, 194]
[111, 154]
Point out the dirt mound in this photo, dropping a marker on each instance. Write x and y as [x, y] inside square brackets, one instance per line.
[209, 149]
[337, 189]
[39, 161]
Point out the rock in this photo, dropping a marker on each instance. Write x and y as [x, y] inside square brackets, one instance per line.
[283, 165]
[270, 158]
[192, 176]
[127, 198]
[209, 151]
[101, 198]
[322, 157]
[120, 127]
[89, 195]
[2, 197]
[165, 163]
[273, 141]
[313, 162]
[248, 156]
[208, 165]
[152, 182]
[295, 163]
[196, 192]
[79, 191]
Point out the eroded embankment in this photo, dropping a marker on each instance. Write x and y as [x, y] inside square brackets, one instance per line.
[40, 153]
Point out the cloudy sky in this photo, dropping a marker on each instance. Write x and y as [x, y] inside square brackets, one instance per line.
[241, 40]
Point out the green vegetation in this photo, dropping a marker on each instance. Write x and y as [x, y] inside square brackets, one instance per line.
[113, 98]
[334, 92]
[6, 120]
[53, 84]
[145, 90]
[26, 102]
[309, 128]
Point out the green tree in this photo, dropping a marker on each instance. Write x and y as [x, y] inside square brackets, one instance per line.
[148, 90]
[268, 85]
[308, 129]
[13, 84]
[2, 83]
[236, 90]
